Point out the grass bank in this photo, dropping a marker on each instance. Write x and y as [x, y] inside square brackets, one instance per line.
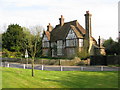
[21, 78]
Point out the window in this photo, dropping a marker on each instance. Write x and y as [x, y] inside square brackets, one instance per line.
[45, 41]
[76, 40]
[80, 42]
[72, 51]
[45, 44]
[53, 44]
[71, 42]
[53, 52]
[45, 52]
[59, 47]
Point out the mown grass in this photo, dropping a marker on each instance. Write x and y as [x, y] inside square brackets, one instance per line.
[21, 78]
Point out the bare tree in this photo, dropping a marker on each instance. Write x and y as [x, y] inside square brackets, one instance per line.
[34, 43]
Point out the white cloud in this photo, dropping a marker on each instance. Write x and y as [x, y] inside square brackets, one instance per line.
[41, 12]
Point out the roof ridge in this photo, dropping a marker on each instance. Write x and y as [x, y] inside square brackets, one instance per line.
[67, 22]
[70, 21]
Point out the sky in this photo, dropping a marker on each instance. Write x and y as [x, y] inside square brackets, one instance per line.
[28, 13]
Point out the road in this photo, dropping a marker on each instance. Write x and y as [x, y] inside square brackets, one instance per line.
[61, 68]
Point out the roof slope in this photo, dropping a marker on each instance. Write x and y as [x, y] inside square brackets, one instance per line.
[47, 33]
[60, 32]
[78, 34]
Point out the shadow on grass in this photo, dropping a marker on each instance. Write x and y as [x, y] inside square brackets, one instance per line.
[90, 80]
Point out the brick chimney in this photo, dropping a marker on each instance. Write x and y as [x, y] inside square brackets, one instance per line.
[49, 28]
[88, 29]
[88, 24]
[99, 41]
[61, 20]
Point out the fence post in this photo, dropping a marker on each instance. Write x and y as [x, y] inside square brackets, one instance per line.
[7, 64]
[42, 67]
[61, 68]
[1, 64]
[24, 66]
[81, 68]
[101, 68]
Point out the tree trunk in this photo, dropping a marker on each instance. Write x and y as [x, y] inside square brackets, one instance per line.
[32, 66]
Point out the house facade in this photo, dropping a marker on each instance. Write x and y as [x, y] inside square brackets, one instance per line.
[67, 38]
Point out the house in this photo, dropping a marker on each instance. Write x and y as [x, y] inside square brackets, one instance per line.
[67, 38]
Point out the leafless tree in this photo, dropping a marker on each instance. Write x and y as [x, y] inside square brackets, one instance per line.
[34, 43]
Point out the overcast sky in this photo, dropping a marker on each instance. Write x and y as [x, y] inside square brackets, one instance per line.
[41, 12]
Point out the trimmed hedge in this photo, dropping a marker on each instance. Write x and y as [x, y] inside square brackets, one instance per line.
[105, 60]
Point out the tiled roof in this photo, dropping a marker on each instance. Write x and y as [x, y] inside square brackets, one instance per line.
[47, 33]
[60, 32]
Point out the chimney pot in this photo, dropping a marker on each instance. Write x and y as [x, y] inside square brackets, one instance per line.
[99, 42]
[61, 20]
[49, 27]
[87, 12]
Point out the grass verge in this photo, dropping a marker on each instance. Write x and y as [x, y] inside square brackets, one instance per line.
[21, 78]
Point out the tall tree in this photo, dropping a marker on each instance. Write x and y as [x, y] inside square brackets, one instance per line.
[112, 47]
[13, 38]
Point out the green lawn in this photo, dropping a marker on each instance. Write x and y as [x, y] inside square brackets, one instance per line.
[21, 78]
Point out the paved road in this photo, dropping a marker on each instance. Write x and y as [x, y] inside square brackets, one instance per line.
[62, 68]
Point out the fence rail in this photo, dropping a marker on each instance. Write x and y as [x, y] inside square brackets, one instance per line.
[62, 62]
[59, 68]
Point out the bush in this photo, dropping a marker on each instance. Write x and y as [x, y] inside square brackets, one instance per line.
[83, 54]
[6, 53]
[80, 63]
[10, 54]
[18, 54]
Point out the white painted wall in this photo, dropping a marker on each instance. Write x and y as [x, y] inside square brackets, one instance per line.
[45, 38]
[80, 42]
[71, 34]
